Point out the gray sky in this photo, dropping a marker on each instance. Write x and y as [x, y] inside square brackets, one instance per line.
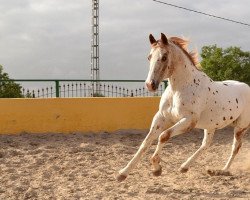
[51, 38]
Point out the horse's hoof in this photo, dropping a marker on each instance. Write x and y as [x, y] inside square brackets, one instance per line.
[212, 172]
[121, 177]
[183, 170]
[157, 172]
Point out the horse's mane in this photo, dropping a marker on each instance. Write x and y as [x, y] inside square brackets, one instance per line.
[182, 43]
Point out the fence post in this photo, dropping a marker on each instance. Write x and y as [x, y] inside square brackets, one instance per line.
[57, 88]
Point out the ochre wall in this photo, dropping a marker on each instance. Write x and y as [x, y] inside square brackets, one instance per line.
[67, 115]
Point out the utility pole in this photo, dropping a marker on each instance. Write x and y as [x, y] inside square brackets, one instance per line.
[95, 74]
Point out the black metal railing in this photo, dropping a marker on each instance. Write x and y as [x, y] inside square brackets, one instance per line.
[49, 88]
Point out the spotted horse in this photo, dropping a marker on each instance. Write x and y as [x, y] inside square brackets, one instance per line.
[191, 100]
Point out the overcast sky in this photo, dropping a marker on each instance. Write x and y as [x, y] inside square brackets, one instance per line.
[51, 38]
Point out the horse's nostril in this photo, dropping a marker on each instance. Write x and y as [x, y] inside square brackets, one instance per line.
[153, 85]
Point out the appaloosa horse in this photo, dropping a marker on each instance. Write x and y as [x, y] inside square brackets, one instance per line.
[191, 100]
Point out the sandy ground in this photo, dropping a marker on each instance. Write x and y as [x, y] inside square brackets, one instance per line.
[82, 166]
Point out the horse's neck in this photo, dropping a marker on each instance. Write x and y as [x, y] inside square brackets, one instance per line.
[183, 75]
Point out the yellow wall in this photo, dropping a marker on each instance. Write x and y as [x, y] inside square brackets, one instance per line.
[66, 115]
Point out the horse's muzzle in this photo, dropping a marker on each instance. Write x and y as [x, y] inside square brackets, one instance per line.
[152, 85]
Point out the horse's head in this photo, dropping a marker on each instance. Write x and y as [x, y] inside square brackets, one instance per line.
[160, 62]
[166, 56]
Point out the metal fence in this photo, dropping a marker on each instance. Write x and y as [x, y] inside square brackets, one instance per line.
[47, 88]
[50, 88]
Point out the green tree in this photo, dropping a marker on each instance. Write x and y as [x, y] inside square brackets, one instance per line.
[8, 88]
[226, 64]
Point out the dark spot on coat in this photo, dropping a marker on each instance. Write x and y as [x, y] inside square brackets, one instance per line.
[211, 120]
[236, 100]
[215, 101]
[225, 84]
[209, 88]
[230, 109]
[165, 137]
[155, 159]
[224, 118]
[192, 125]
[213, 93]
[211, 80]
[217, 124]
[157, 127]
[194, 81]
[193, 93]
[211, 110]
[239, 134]
[183, 104]
[238, 148]
[231, 117]
[217, 91]
[229, 101]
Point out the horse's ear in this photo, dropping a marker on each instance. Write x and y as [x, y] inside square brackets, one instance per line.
[164, 39]
[152, 39]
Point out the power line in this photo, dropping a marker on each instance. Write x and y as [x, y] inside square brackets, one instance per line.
[199, 12]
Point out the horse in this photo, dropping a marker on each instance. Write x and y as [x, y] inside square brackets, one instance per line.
[191, 100]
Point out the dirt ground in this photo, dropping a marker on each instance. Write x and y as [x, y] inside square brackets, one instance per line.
[82, 166]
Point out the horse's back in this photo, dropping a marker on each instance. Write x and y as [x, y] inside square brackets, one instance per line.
[243, 91]
[239, 87]
[226, 101]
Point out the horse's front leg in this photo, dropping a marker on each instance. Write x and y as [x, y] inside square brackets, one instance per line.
[185, 124]
[159, 124]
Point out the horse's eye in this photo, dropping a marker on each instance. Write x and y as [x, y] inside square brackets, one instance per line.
[164, 58]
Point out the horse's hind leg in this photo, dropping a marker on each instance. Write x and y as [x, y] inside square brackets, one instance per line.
[238, 134]
[207, 140]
